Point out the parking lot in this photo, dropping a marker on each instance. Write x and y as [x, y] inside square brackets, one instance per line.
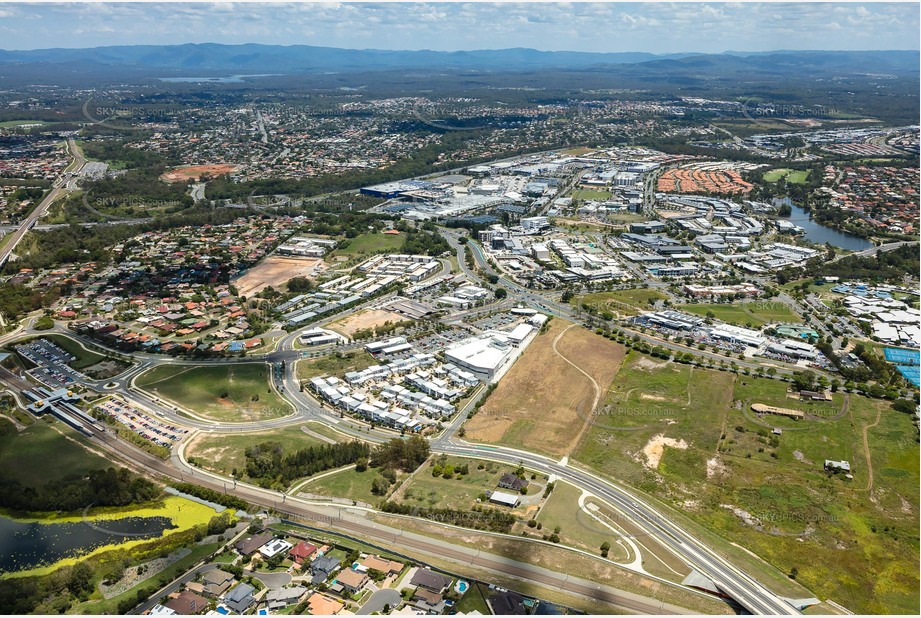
[50, 362]
[145, 426]
[436, 342]
[496, 322]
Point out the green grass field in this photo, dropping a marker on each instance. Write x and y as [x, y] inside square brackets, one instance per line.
[335, 364]
[797, 177]
[590, 194]
[628, 302]
[367, 244]
[461, 493]
[238, 392]
[345, 484]
[753, 314]
[855, 547]
[577, 528]
[223, 453]
[40, 453]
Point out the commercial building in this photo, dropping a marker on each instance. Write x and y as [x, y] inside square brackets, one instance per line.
[483, 355]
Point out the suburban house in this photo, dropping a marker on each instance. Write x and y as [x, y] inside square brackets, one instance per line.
[429, 601]
[216, 582]
[436, 582]
[322, 568]
[507, 603]
[320, 605]
[281, 598]
[302, 552]
[513, 481]
[251, 545]
[352, 581]
[160, 610]
[274, 547]
[188, 604]
[387, 567]
[240, 598]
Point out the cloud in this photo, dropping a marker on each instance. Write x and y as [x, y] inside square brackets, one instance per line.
[590, 26]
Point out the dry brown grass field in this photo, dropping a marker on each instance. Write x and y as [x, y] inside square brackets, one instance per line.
[544, 402]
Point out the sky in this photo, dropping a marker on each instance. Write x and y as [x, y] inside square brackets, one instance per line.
[656, 27]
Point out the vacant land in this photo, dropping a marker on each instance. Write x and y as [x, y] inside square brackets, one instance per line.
[544, 401]
[368, 318]
[224, 453]
[195, 172]
[349, 484]
[619, 302]
[236, 393]
[577, 529]
[41, 453]
[370, 243]
[769, 493]
[751, 314]
[459, 491]
[275, 271]
[336, 364]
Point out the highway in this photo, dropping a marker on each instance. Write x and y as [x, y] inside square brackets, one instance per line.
[60, 187]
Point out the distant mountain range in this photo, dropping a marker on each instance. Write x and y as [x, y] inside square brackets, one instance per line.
[195, 59]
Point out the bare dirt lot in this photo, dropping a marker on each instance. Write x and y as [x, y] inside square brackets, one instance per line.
[274, 271]
[544, 402]
[370, 318]
[195, 172]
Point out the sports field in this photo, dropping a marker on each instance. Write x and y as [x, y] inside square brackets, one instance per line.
[790, 176]
[232, 393]
[753, 314]
[545, 400]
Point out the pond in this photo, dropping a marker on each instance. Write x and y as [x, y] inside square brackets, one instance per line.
[28, 545]
[820, 234]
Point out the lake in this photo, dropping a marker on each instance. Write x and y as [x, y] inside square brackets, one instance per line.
[820, 234]
[25, 546]
[229, 79]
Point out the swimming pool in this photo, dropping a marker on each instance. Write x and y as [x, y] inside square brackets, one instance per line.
[461, 586]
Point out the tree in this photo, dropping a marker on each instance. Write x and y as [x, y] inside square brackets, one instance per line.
[501, 293]
[605, 548]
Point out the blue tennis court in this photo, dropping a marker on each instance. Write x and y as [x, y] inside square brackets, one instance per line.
[903, 357]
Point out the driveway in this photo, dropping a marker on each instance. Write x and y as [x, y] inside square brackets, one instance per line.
[387, 596]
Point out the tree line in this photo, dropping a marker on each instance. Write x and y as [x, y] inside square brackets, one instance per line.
[109, 487]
